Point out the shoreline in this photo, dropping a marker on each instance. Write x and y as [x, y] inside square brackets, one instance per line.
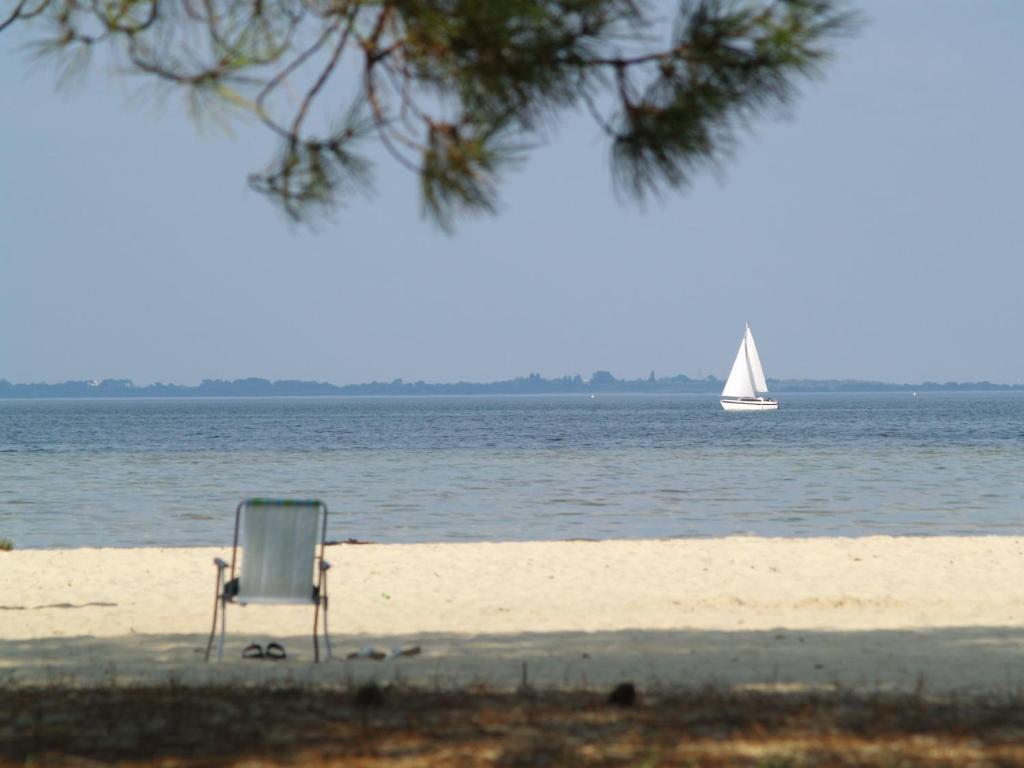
[866, 613]
[333, 544]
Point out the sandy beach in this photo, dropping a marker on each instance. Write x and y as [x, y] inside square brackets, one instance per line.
[877, 613]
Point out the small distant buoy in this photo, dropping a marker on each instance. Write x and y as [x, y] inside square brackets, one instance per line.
[915, 394]
[593, 396]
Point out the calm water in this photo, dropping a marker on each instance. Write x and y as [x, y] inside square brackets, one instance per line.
[169, 472]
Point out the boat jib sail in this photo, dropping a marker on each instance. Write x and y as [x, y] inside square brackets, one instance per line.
[754, 359]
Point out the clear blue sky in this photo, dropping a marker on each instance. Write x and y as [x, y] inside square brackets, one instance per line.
[874, 233]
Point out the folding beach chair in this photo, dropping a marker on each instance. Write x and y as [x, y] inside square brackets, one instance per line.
[280, 561]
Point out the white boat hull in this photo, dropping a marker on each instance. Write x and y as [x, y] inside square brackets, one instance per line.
[749, 404]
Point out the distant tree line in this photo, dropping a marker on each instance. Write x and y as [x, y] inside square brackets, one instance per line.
[533, 384]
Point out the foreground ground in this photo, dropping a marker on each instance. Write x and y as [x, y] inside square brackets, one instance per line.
[368, 726]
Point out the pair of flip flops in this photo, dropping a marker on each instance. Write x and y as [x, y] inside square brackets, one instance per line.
[273, 651]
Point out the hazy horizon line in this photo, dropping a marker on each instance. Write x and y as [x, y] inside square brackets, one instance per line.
[603, 376]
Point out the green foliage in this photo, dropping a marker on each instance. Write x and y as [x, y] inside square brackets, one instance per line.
[313, 174]
[6, 545]
[457, 89]
[460, 169]
[735, 62]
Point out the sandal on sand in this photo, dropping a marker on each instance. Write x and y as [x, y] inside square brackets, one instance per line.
[367, 652]
[253, 651]
[398, 650]
[275, 652]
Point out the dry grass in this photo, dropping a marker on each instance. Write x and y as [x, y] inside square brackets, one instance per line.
[174, 725]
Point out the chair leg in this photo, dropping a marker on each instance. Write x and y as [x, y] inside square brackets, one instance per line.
[316, 643]
[213, 631]
[327, 634]
[217, 600]
[223, 629]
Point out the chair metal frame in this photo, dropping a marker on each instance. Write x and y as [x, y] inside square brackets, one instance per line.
[227, 591]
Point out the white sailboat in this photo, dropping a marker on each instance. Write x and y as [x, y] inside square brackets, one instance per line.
[745, 389]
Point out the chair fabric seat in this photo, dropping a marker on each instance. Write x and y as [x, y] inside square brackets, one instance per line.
[278, 544]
